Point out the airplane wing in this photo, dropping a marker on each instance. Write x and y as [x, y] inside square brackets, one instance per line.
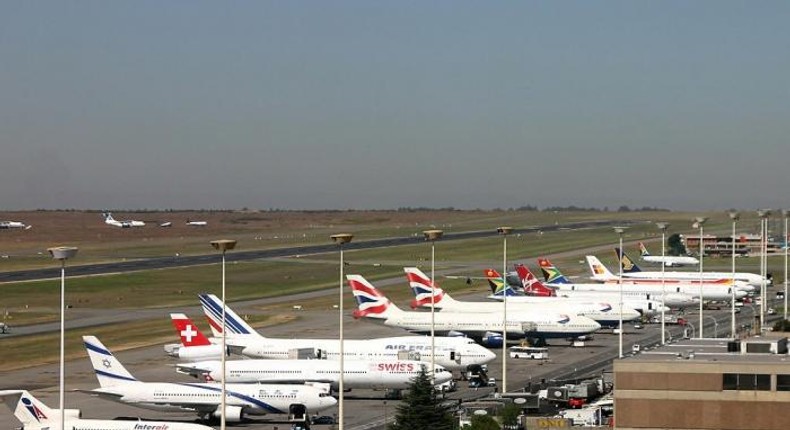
[100, 393]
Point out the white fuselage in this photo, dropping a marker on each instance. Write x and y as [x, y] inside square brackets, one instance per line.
[373, 374]
[750, 278]
[451, 352]
[710, 292]
[253, 399]
[11, 224]
[670, 260]
[635, 302]
[87, 424]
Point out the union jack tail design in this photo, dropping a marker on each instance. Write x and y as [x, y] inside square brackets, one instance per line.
[551, 274]
[189, 333]
[532, 286]
[370, 302]
[423, 288]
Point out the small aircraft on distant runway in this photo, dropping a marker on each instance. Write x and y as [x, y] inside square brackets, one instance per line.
[109, 220]
[13, 224]
[197, 223]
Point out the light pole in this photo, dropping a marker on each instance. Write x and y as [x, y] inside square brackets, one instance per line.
[715, 326]
[763, 214]
[734, 216]
[663, 227]
[340, 240]
[432, 236]
[223, 245]
[620, 231]
[785, 214]
[62, 253]
[699, 222]
[504, 231]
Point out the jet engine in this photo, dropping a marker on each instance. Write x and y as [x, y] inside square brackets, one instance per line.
[233, 414]
[492, 339]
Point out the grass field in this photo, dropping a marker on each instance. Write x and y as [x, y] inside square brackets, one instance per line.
[36, 302]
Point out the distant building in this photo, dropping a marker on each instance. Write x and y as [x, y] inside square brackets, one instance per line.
[705, 384]
[745, 244]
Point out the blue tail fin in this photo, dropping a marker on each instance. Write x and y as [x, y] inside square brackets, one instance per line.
[628, 265]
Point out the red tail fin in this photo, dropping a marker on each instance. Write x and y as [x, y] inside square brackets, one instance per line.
[532, 286]
[491, 273]
[188, 332]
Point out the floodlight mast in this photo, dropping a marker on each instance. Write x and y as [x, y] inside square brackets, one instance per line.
[340, 240]
[620, 231]
[223, 245]
[699, 222]
[734, 216]
[432, 236]
[504, 231]
[62, 253]
[663, 227]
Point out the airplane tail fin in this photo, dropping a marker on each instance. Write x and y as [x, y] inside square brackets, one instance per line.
[109, 371]
[551, 274]
[497, 284]
[598, 270]
[27, 409]
[108, 216]
[189, 333]
[370, 302]
[643, 250]
[423, 288]
[628, 265]
[212, 307]
[532, 286]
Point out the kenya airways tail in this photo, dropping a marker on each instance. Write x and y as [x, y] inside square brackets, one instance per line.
[370, 302]
[551, 274]
[498, 286]
[532, 286]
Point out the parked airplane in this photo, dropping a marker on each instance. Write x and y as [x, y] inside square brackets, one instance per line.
[710, 292]
[536, 292]
[422, 287]
[35, 415]
[632, 271]
[194, 344]
[372, 305]
[109, 220]
[117, 384]
[14, 224]
[455, 353]
[197, 223]
[668, 260]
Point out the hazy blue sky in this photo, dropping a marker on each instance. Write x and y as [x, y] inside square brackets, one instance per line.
[371, 104]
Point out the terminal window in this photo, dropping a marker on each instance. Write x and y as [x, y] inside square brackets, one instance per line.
[747, 381]
[782, 382]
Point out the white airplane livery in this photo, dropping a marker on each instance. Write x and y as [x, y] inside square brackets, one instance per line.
[454, 353]
[109, 220]
[422, 287]
[668, 260]
[4, 225]
[35, 415]
[372, 305]
[117, 384]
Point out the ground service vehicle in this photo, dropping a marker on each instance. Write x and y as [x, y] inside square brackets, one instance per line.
[529, 352]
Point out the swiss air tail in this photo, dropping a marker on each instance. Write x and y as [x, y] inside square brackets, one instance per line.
[35, 415]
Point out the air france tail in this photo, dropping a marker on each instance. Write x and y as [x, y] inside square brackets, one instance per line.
[628, 265]
[598, 270]
[188, 332]
[423, 288]
[212, 307]
[551, 274]
[109, 371]
[29, 410]
[498, 286]
[532, 286]
[370, 302]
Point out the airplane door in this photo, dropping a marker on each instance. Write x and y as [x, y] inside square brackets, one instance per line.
[455, 356]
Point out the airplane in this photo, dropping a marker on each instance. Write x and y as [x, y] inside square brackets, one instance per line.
[197, 223]
[373, 374]
[538, 293]
[109, 220]
[422, 287]
[35, 415]
[668, 260]
[117, 384]
[711, 292]
[374, 306]
[454, 353]
[632, 271]
[4, 225]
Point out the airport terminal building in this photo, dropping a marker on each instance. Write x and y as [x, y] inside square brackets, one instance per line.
[705, 384]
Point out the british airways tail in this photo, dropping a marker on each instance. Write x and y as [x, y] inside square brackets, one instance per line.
[212, 307]
[109, 371]
[370, 302]
[551, 274]
[598, 270]
[28, 409]
[498, 286]
[189, 333]
[625, 261]
[532, 286]
[423, 289]
[643, 250]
